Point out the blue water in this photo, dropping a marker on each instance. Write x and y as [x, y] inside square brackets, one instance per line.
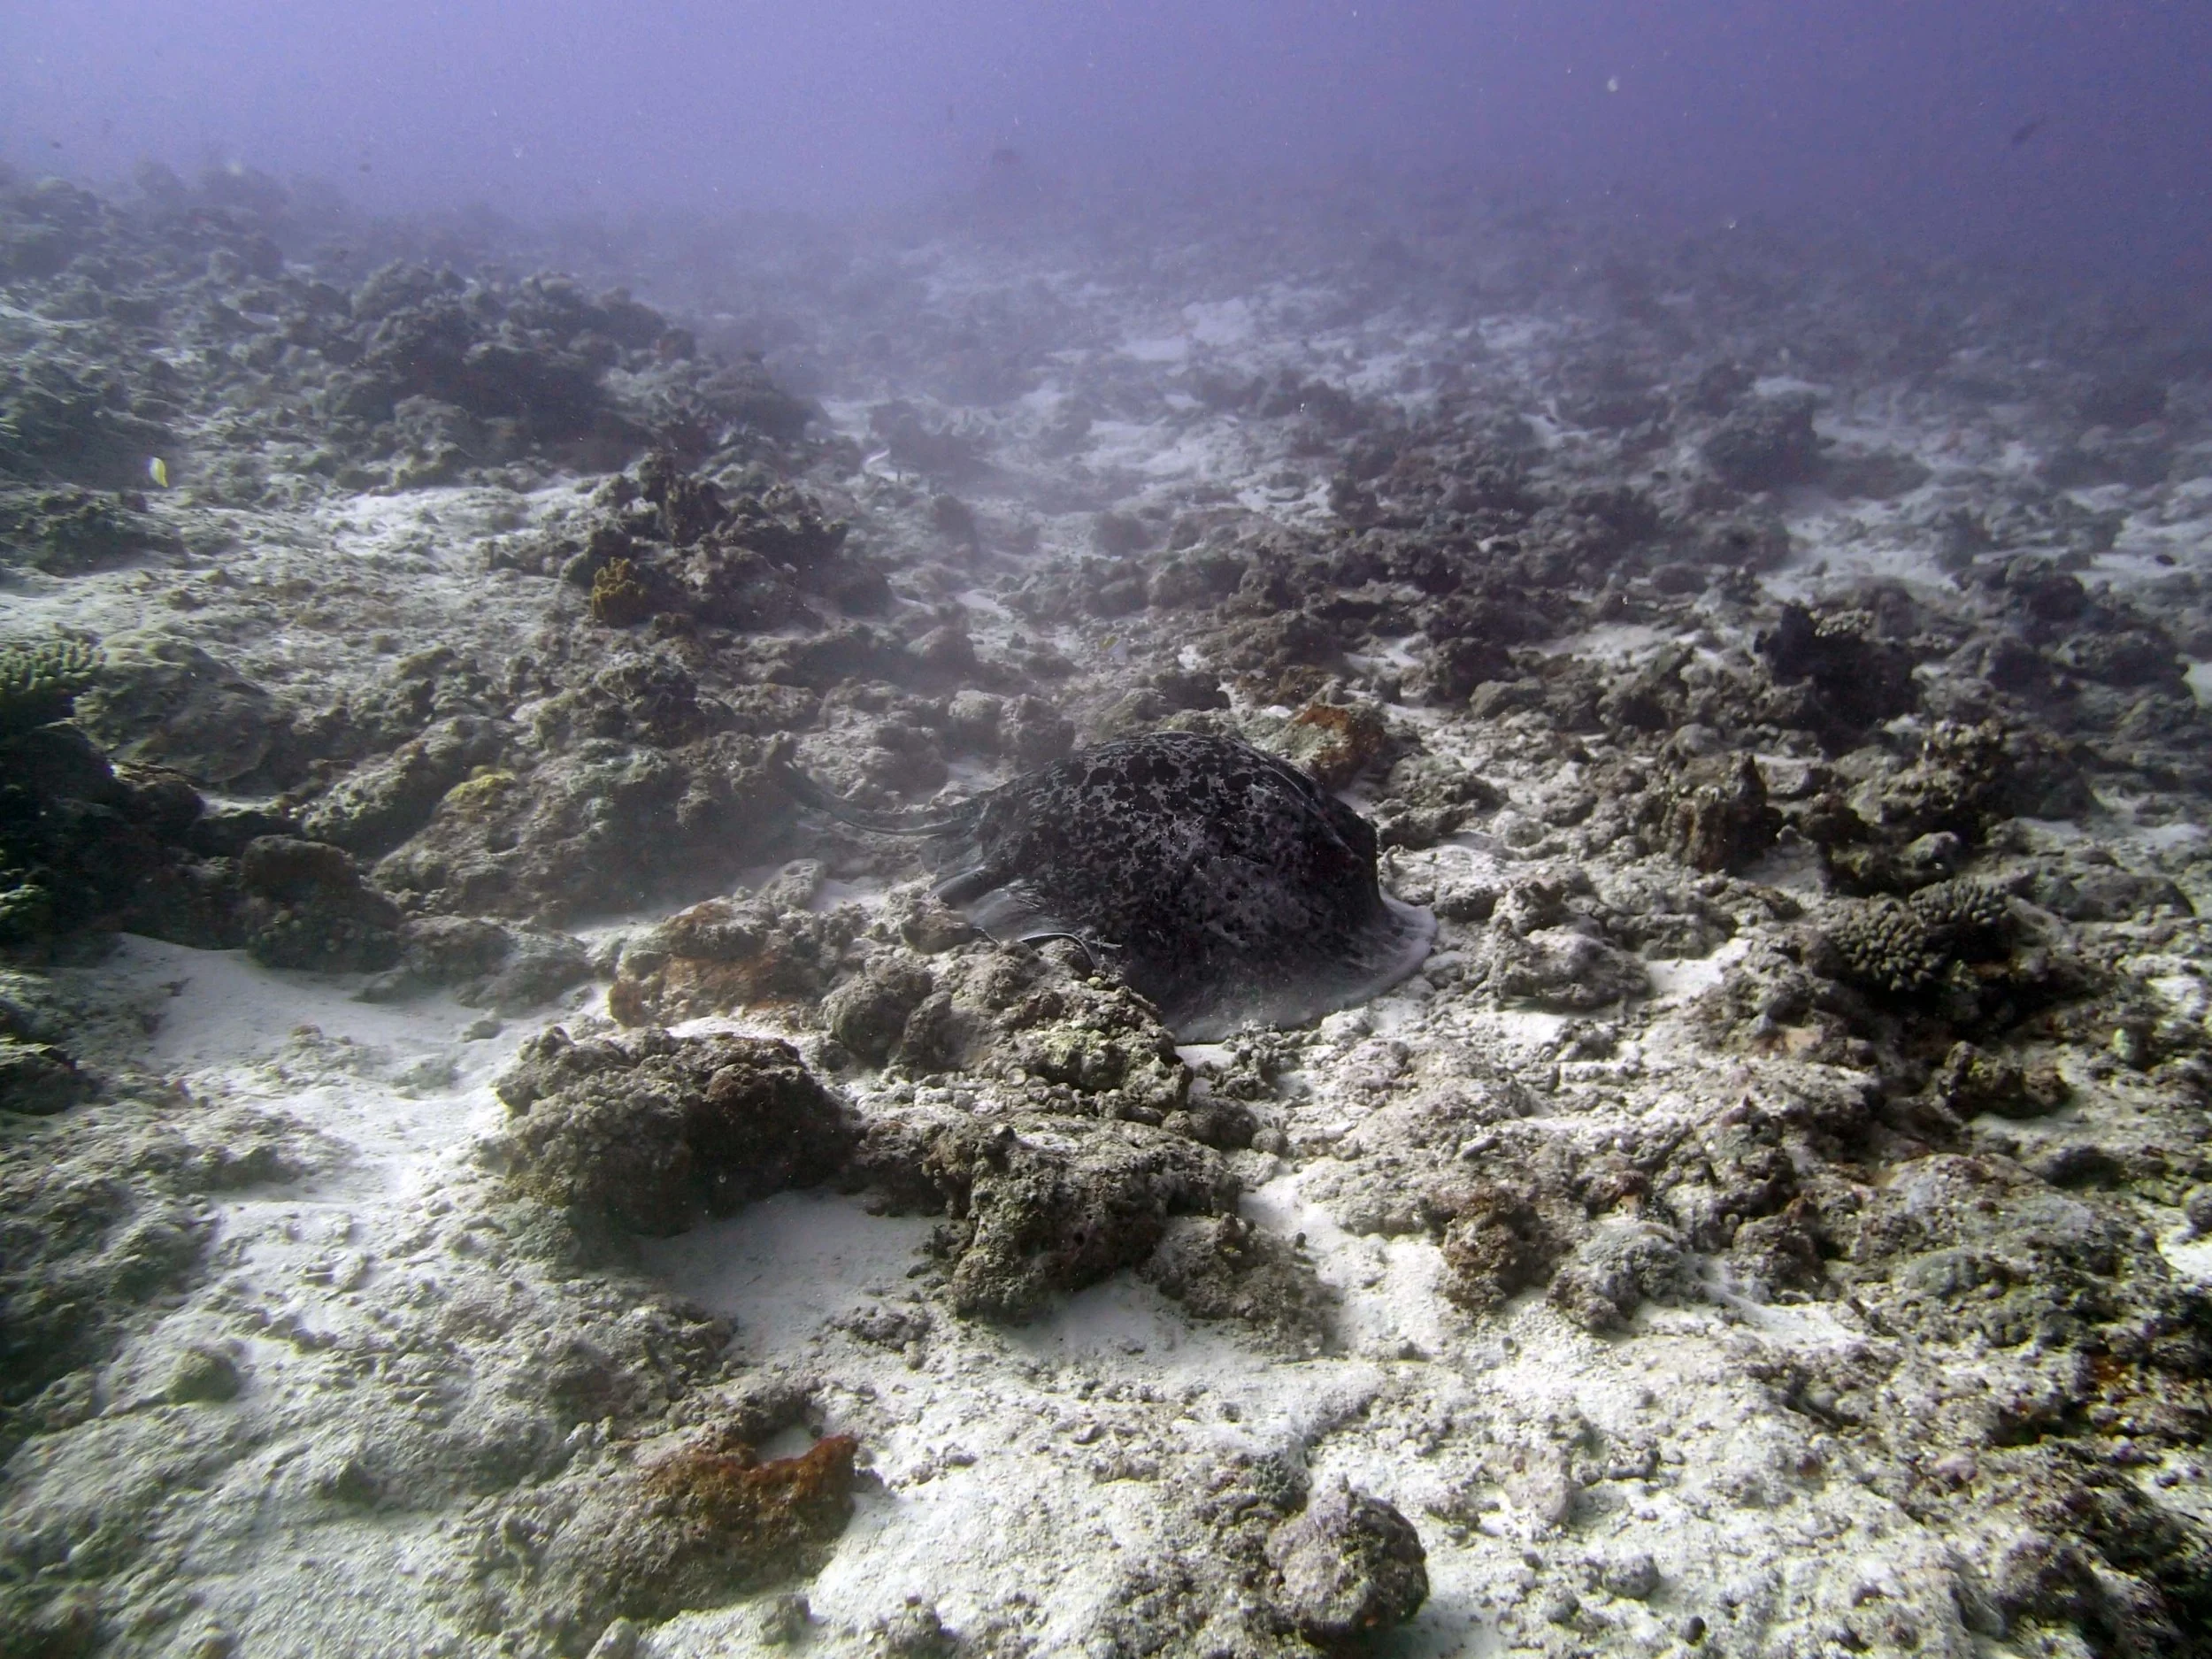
[2067, 136]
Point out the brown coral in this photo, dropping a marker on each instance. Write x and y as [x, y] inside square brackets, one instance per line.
[697, 1529]
[618, 598]
[1973, 919]
[768, 1515]
[1061, 1206]
[1224, 1267]
[1335, 741]
[726, 954]
[1496, 1246]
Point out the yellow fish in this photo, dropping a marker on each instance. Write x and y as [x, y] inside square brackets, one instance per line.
[158, 469]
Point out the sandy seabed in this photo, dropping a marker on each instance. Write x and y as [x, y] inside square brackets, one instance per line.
[487, 1175]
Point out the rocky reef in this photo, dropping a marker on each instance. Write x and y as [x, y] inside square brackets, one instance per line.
[465, 1134]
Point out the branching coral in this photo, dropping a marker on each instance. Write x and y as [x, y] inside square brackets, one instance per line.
[1886, 945]
[39, 683]
[1965, 918]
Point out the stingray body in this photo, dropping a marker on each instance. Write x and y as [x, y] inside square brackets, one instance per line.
[1224, 885]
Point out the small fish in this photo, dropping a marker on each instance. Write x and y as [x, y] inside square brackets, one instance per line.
[2028, 129]
[158, 469]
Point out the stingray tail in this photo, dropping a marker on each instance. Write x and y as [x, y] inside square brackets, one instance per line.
[809, 794]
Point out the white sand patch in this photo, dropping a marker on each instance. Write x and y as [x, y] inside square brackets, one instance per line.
[1220, 322]
[788, 1265]
[1678, 978]
[310, 602]
[400, 1083]
[995, 1479]
[1513, 336]
[1158, 349]
[1391, 1307]
[2170, 837]
[2188, 1253]
[1611, 641]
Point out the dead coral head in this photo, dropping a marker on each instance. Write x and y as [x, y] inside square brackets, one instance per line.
[1349, 1565]
[651, 1132]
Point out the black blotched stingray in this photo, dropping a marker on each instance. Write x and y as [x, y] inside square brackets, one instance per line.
[1222, 884]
